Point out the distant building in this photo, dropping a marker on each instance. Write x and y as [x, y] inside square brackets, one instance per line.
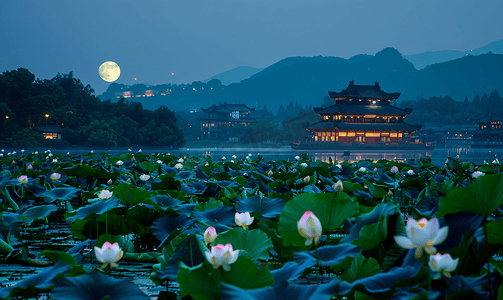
[362, 114]
[489, 133]
[225, 121]
[50, 131]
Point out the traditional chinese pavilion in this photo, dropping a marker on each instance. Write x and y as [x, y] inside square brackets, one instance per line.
[225, 121]
[52, 132]
[362, 115]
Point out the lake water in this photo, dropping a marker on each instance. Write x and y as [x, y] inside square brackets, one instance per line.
[438, 155]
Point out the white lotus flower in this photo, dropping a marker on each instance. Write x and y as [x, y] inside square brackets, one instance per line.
[109, 254]
[55, 176]
[306, 179]
[23, 179]
[36, 152]
[410, 172]
[180, 160]
[270, 173]
[159, 161]
[221, 255]
[119, 162]
[139, 150]
[339, 166]
[223, 158]
[209, 235]
[422, 235]
[243, 219]
[234, 157]
[105, 194]
[338, 186]
[54, 160]
[394, 169]
[92, 151]
[304, 165]
[297, 157]
[309, 226]
[179, 166]
[477, 174]
[442, 264]
[362, 169]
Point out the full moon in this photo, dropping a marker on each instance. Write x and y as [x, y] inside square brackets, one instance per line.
[109, 71]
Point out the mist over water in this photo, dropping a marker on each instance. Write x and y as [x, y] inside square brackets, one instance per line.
[437, 155]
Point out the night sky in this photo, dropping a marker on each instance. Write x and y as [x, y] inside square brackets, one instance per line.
[197, 39]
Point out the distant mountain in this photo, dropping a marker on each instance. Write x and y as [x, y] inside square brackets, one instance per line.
[235, 75]
[424, 59]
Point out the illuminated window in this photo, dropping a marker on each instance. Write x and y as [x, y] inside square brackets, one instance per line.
[342, 133]
[351, 133]
[235, 114]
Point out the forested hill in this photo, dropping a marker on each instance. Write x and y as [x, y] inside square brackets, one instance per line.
[307, 80]
[25, 101]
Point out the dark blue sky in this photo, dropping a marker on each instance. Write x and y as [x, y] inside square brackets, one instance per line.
[197, 39]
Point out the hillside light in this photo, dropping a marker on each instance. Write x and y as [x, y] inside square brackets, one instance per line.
[6, 117]
[46, 117]
[374, 102]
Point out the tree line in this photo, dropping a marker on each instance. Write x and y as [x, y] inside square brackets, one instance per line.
[26, 100]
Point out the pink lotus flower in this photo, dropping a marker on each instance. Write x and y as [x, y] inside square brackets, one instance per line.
[221, 255]
[309, 226]
[105, 194]
[109, 254]
[23, 179]
[30, 166]
[55, 176]
[422, 235]
[209, 235]
[477, 174]
[442, 264]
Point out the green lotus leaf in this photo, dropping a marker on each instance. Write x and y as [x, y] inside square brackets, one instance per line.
[38, 212]
[332, 209]
[59, 256]
[129, 194]
[483, 196]
[255, 242]
[372, 235]
[65, 193]
[361, 267]
[96, 286]
[80, 171]
[148, 166]
[93, 210]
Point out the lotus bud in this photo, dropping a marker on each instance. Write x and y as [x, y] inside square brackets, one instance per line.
[457, 156]
[23, 179]
[109, 254]
[133, 158]
[375, 169]
[128, 180]
[30, 166]
[243, 219]
[55, 176]
[209, 235]
[110, 181]
[394, 169]
[390, 193]
[309, 227]
[270, 173]
[306, 179]
[338, 186]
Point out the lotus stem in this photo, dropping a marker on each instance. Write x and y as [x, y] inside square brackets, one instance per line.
[318, 264]
[488, 265]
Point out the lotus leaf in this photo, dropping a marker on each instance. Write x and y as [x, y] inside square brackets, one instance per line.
[96, 286]
[255, 242]
[65, 193]
[268, 207]
[331, 209]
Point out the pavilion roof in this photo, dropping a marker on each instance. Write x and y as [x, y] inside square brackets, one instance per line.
[227, 108]
[363, 91]
[345, 108]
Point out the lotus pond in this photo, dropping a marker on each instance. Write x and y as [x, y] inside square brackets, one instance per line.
[141, 226]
